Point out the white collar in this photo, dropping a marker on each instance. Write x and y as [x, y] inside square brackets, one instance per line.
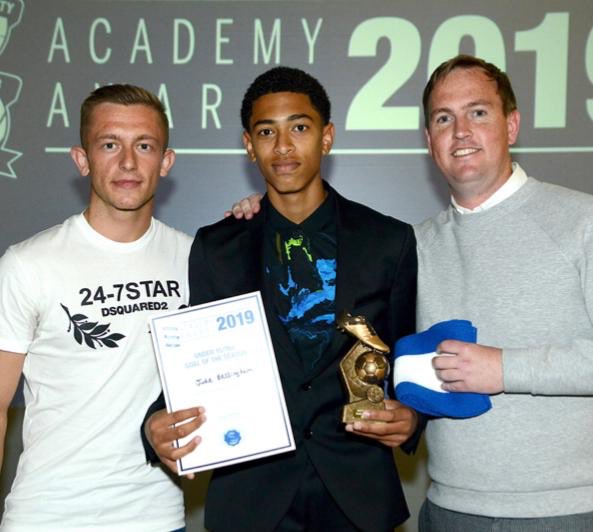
[517, 179]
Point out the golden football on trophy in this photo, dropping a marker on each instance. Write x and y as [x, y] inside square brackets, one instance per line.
[363, 368]
[371, 367]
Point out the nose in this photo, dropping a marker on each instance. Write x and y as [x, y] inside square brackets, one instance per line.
[128, 159]
[284, 143]
[462, 128]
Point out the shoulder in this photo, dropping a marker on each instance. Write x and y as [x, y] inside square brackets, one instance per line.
[556, 205]
[27, 259]
[427, 230]
[46, 240]
[562, 196]
[227, 228]
[173, 235]
[223, 241]
[359, 215]
[563, 215]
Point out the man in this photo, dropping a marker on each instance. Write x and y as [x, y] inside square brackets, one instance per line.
[514, 256]
[74, 302]
[308, 240]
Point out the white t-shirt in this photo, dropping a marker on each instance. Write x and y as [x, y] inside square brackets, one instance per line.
[77, 303]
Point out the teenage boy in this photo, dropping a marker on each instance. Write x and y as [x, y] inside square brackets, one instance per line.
[312, 254]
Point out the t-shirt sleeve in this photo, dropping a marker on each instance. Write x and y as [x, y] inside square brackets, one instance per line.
[18, 317]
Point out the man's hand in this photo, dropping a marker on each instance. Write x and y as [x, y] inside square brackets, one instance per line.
[245, 208]
[162, 429]
[392, 426]
[467, 367]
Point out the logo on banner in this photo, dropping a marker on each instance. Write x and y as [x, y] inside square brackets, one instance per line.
[10, 89]
[11, 12]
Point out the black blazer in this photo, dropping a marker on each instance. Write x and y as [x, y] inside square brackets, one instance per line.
[376, 277]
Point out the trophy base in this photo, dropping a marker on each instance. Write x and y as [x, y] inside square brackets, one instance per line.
[353, 411]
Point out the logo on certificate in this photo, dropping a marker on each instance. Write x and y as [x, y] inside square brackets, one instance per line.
[232, 437]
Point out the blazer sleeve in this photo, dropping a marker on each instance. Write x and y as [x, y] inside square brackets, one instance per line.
[403, 309]
[200, 289]
[402, 302]
[159, 404]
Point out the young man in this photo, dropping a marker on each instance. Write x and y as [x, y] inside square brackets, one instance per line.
[515, 256]
[308, 241]
[74, 301]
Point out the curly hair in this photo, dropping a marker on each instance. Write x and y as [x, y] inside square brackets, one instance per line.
[285, 79]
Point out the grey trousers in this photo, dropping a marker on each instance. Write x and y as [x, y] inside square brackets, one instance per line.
[433, 518]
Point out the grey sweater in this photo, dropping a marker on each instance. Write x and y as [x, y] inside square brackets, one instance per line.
[522, 272]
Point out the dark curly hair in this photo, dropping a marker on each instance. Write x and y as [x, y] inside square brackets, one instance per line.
[503, 83]
[285, 79]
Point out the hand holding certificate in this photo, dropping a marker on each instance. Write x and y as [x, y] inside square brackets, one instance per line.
[219, 355]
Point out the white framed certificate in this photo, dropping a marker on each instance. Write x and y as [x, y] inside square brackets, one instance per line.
[219, 355]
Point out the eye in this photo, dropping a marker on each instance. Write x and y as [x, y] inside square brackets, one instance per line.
[265, 132]
[144, 146]
[442, 119]
[301, 128]
[479, 113]
[109, 146]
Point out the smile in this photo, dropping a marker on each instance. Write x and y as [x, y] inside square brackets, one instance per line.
[462, 152]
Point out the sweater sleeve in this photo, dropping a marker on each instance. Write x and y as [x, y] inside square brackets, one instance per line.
[550, 369]
[564, 367]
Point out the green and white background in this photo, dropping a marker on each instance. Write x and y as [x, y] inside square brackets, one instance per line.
[373, 57]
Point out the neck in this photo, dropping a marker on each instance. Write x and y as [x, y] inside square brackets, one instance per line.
[119, 226]
[298, 206]
[471, 201]
[471, 197]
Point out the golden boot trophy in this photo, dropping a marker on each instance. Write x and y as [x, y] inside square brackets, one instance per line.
[363, 368]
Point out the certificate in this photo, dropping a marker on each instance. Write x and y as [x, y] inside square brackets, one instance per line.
[219, 355]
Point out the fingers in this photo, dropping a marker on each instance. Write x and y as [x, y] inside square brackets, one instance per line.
[450, 347]
[173, 467]
[170, 453]
[246, 208]
[392, 426]
[469, 367]
[239, 210]
[394, 414]
[447, 367]
[162, 420]
[445, 362]
[455, 386]
[164, 429]
[181, 416]
[254, 202]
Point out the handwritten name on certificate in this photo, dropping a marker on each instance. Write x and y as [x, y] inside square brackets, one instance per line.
[220, 356]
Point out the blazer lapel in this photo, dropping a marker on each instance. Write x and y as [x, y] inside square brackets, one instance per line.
[346, 280]
[288, 359]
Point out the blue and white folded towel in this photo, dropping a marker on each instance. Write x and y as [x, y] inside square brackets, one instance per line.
[415, 380]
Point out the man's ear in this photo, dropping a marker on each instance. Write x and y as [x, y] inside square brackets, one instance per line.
[513, 126]
[248, 146]
[167, 161]
[81, 160]
[428, 143]
[327, 139]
